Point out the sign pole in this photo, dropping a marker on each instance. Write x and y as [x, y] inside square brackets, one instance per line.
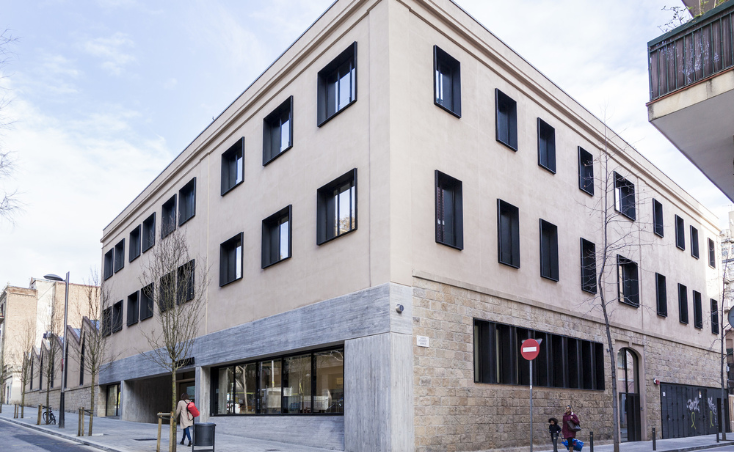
[531, 405]
[529, 350]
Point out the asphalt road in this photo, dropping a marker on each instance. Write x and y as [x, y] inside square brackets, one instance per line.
[15, 438]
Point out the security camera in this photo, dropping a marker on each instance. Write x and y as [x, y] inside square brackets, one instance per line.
[399, 308]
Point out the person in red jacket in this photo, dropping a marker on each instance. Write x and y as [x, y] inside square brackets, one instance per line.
[568, 433]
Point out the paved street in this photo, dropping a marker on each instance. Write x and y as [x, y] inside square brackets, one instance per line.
[14, 438]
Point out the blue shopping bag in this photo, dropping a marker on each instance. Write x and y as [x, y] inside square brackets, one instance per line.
[577, 444]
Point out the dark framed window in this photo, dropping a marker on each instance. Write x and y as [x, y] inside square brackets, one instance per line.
[146, 302]
[683, 304]
[167, 292]
[107, 321]
[563, 362]
[120, 255]
[661, 295]
[278, 131]
[506, 119]
[548, 250]
[186, 280]
[697, 310]
[446, 82]
[336, 208]
[508, 234]
[337, 85]
[135, 243]
[117, 316]
[657, 218]
[133, 308]
[712, 254]
[233, 166]
[588, 266]
[230, 260]
[148, 233]
[680, 233]
[628, 283]
[187, 202]
[586, 171]
[546, 146]
[449, 211]
[168, 216]
[276, 237]
[714, 317]
[82, 369]
[694, 242]
[624, 197]
[109, 262]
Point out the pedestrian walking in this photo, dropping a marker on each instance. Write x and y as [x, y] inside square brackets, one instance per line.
[553, 428]
[570, 426]
[186, 418]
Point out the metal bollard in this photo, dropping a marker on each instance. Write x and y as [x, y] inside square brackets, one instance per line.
[654, 439]
[555, 441]
[591, 441]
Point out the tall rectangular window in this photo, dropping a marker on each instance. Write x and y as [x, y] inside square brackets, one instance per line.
[628, 281]
[185, 282]
[278, 131]
[714, 317]
[336, 208]
[694, 242]
[146, 302]
[168, 214]
[337, 85]
[109, 262]
[132, 308]
[697, 310]
[148, 233]
[683, 303]
[446, 82]
[449, 211]
[588, 266]
[187, 202]
[276, 237]
[119, 255]
[230, 260]
[107, 321]
[586, 171]
[82, 368]
[135, 243]
[117, 316]
[546, 146]
[712, 254]
[233, 166]
[661, 295]
[624, 197]
[167, 292]
[506, 119]
[270, 386]
[548, 250]
[680, 233]
[508, 234]
[657, 218]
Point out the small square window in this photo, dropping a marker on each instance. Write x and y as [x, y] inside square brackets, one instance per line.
[135, 243]
[657, 218]
[187, 202]
[712, 254]
[148, 233]
[508, 234]
[586, 171]
[628, 282]
[546, 146]
[276, 237]
[446, 82]
[697, 310]
[230, 260]
[117, 316]
[588, 266]
[233, 166]
[146, 302]
[680, 233]
[336, 208]
[120, 255]
[506, 119]
[694, 242]
[168, 214]
[278, 131]
[132, 308]
[109, 262]
[449, 213]
[624, 197]
[683, 304]
[186, 280]
[714, 317]
[337, 85]
[548, 250]
[661, 295]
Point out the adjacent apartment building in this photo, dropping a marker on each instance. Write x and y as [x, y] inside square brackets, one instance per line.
[387, 212]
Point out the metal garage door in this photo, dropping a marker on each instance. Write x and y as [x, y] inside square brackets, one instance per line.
[689, 410]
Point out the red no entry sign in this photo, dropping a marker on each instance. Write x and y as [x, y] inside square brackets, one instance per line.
[529, 349]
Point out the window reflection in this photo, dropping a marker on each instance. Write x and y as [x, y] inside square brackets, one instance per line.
[329, 395]
[297, 384]
[270, 387]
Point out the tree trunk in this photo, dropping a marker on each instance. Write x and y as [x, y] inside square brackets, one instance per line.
[22, 402]
[172, 444]
[48, 395]
[91, 402]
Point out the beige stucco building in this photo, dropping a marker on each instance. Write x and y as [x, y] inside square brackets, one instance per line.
[387, 212]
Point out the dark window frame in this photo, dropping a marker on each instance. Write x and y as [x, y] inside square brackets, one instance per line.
[658, 219]
[441, 57]
[506, 107]
[445, 183]
[511, 256]
[632, 298]
[712, 253]
[322, 115]
[232, 158]
[269, 125]
[186, 287]
[546, 146]
[225, 259]
[147, 235]
[147, 302]
[695, 242]
[168, 223]
[107, 321]
[109, 263]
[270, 224]
[135, 243]
[324, 209]
[133, 308]
[621, 200]
[187, 202]
[548, 237]
[714, 305]
[680, 233]
[661, 295]
[588, 266]
[119, 255]
[586, 171]
[117, 310]
[697, 310]
[682, 304]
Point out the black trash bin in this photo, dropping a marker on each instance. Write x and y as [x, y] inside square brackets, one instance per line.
[203, 436]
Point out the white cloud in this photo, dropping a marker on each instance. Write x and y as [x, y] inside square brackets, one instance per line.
[111, 51]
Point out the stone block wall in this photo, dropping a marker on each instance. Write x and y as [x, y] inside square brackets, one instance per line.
[74, 398]
[452, 413]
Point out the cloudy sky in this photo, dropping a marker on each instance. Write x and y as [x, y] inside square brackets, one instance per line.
[105, 93]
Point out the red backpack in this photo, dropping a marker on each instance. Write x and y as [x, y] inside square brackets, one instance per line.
[192, 409]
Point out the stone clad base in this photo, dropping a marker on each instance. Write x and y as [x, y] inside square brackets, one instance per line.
[75, 398]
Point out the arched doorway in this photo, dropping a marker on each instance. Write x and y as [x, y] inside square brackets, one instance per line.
[628, 387]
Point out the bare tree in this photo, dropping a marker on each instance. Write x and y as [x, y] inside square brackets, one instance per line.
[26, 345]
[52, 356]
[177, 287]
[9, 202]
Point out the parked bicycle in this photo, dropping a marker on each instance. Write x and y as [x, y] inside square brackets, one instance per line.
[48, 416]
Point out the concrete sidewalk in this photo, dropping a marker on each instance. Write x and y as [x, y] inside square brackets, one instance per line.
[114, 435]
[663, 445]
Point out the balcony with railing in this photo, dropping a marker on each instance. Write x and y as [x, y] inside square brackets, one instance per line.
[694, 52]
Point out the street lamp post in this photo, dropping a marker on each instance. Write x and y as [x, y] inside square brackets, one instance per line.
[53, 277]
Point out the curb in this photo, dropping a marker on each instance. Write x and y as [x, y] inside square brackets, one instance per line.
[74, 439]
[708, 446]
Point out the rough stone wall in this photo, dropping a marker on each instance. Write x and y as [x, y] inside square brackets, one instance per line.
[452, 413]
[74, 398]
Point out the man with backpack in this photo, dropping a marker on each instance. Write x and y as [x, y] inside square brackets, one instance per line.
[187, 411]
